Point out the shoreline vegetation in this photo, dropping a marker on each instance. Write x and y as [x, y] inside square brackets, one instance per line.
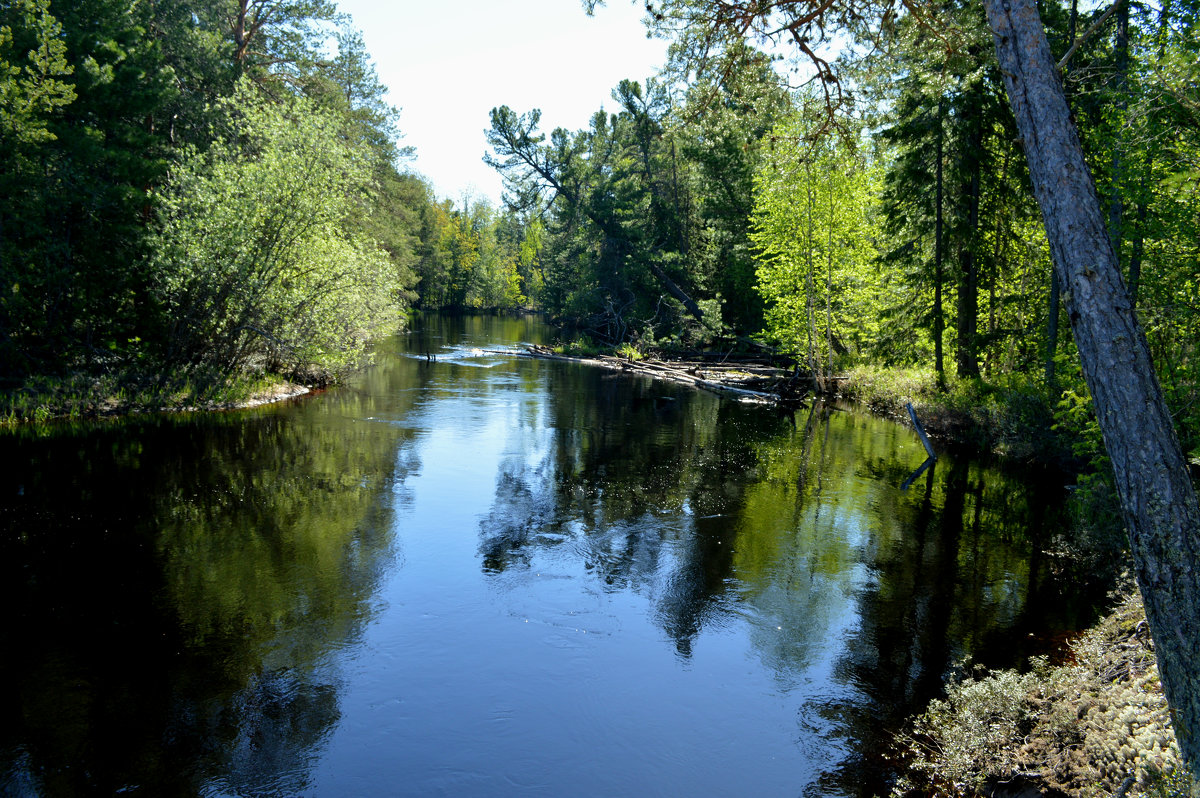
[1011, 420]
[47, 400]
[1094, 723]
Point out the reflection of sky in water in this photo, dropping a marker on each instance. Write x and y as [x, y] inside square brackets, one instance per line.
[480, 574]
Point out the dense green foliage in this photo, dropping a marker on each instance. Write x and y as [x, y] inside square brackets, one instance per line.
[816, 231]
[191, 191]
[199, 190]
[256, 259]
[646, 213]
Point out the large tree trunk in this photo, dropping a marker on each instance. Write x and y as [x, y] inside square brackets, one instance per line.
[1157, 496]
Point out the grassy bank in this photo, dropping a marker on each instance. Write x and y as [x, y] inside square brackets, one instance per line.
[1012, 417]
[1096, 724]
[44, 399]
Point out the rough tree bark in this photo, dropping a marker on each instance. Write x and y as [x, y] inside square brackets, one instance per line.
[1157, 497]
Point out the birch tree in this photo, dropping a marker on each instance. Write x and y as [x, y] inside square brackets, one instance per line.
[814, 229]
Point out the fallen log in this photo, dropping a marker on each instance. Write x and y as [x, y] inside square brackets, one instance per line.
[686, 373]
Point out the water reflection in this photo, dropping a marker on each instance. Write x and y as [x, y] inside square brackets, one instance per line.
[473, 574]
[859, 588]
[176, 588]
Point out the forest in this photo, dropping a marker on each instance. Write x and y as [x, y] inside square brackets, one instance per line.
[196, 194]
[880, 217]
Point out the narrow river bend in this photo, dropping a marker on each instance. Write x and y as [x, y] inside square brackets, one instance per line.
[486, 575]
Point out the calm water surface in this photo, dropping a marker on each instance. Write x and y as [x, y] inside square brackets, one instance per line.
[488, 576]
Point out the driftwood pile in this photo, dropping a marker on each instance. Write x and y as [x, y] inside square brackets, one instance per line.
[745, 381]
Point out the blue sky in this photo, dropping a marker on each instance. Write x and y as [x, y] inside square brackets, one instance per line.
[448, 63]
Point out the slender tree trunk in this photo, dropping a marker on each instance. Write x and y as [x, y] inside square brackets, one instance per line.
[1052, 333]
[1157, 497]
[829, 278]
[998, 255]
[814, 364]
[680, 226]
[1138, 245]
[240, 42]
[967, 358]
[939, 319]
[674, 290]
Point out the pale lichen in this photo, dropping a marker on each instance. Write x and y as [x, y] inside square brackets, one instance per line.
[1097, 725]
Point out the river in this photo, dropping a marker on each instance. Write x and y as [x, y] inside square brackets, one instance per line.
[479, 574]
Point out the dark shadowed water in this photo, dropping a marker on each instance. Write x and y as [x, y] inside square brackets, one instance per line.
[489, 576]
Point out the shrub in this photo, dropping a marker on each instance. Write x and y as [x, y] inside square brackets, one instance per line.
[255, 260]
[1092, 727]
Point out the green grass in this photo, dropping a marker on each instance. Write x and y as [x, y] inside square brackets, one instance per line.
[628, 351]
[580, 347]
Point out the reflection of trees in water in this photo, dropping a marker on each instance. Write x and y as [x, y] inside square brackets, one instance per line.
[179, 586]
[523, 511]
[902, 648]
[261, 739]
[802, 524]
[945, 570]
[958, 585]
[631, 468]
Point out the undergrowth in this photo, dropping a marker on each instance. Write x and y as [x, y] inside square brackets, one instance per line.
[43, 399]
[1010, 415]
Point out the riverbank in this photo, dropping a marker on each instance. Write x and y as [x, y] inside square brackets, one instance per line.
[1012, 417]
[753, 381]
[1014, 420]
[81, 397]
[1094, 723]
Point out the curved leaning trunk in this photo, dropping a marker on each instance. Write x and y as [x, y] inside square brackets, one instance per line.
[1157, 496]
